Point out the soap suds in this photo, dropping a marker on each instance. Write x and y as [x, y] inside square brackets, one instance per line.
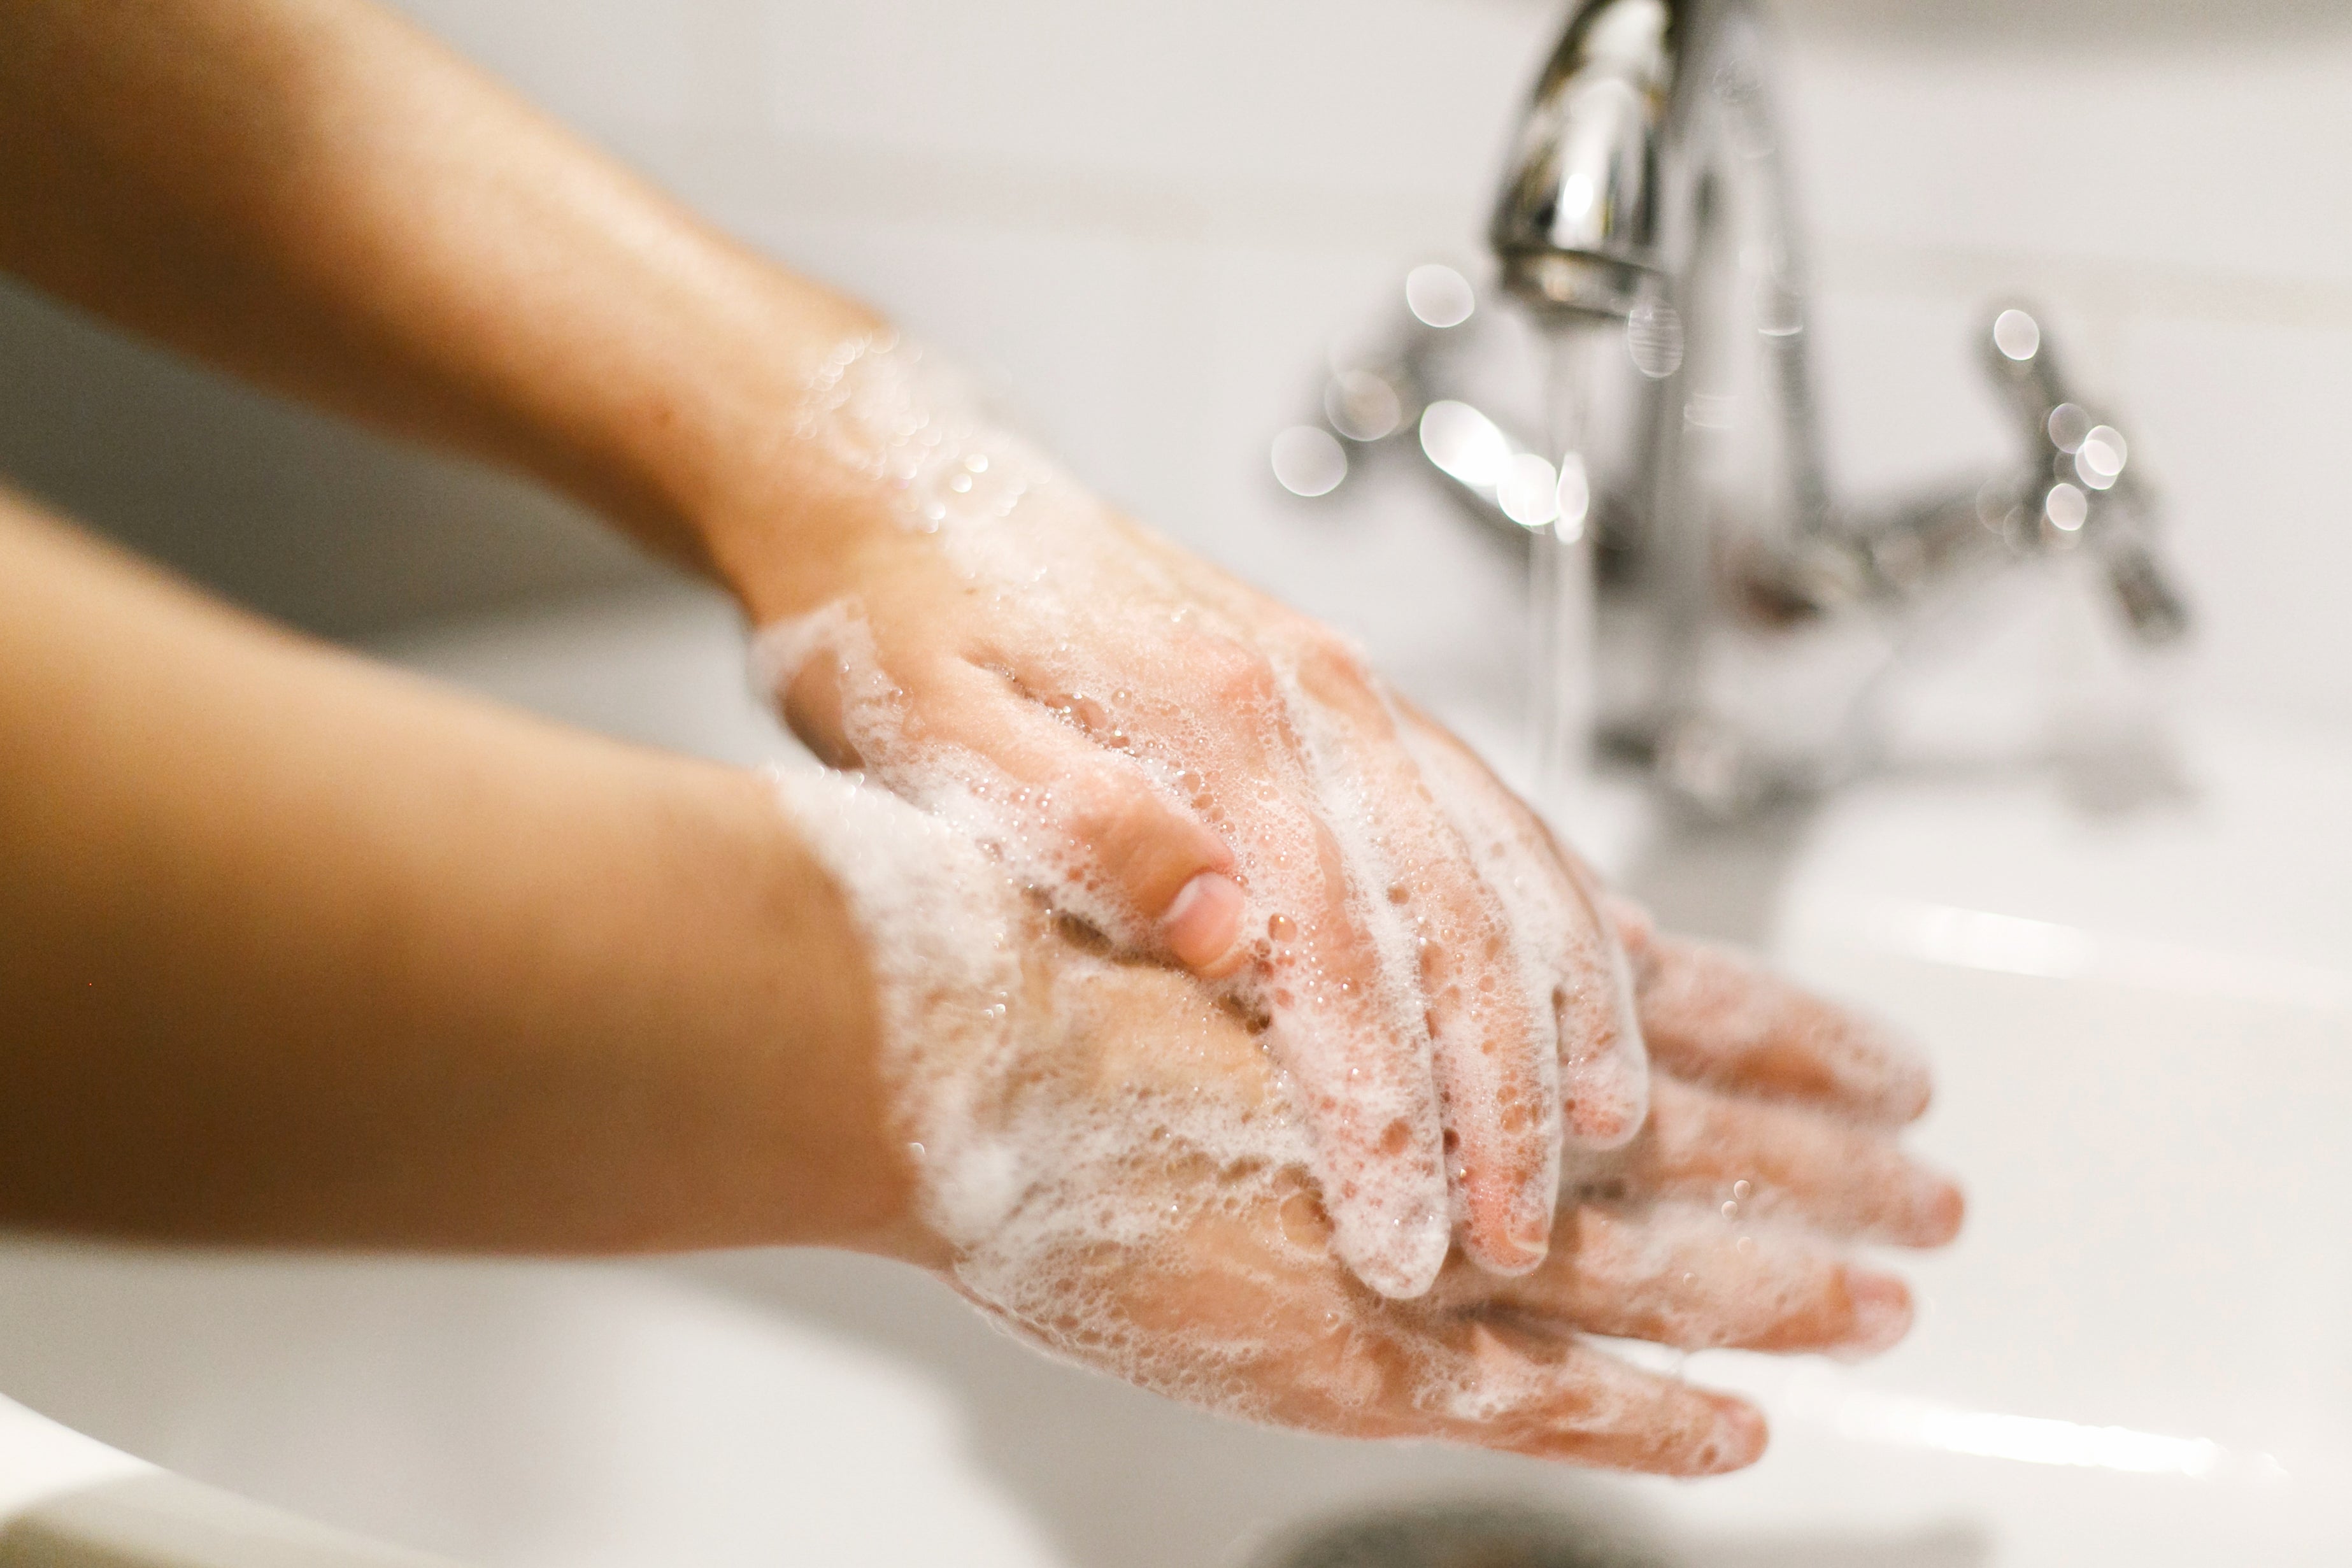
[1119, 1178]
[1530, 1002]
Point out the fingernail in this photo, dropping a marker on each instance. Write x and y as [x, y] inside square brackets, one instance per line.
[1601, 1122]
[1203, 923]
[1527, 1233]
[1531, 1217]
[1737, 1442]
[1937, 1210]
[1882, 1311]
[1609, 1102]
[1399, 1256]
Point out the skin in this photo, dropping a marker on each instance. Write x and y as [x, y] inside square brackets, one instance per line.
[298, 950]
[295, 949]
[315, 196]
[1717, 1226]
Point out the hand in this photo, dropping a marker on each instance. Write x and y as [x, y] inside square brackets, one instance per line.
[1110, 1167]
[1207, 776]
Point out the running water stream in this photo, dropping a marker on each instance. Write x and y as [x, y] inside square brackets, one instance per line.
[1585, 404]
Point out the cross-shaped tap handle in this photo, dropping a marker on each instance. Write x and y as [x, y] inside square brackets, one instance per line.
[2077, 489]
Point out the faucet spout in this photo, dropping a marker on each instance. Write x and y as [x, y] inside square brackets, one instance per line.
[1648, 186]
[1578, 223]
[1741, 619]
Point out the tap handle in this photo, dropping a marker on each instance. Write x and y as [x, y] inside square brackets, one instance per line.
[2019, 358]
[2075, 488]
[2151, 606]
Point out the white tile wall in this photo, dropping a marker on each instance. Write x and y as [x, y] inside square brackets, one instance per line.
[1144, 221]
[2177, 195]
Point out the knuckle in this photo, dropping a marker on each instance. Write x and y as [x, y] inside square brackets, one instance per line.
[1333, 672]
[1330, 666]
[1236, 677]
[1116, 812]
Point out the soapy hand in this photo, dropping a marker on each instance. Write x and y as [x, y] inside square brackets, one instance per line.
[1204, 775]
[1111, 1165]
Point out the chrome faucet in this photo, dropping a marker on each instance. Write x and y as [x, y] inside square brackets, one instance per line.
[1646, 225]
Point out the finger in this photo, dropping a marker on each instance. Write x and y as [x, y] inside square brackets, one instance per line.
[1360, 1073]
[1201, 924]
[1554, 1397]
[1106, 841]
[804, 662]
[1602, 1068]
[1682, 1274]
[1421, 985]
[1241, 1309]
[1712, 1016]
[1348, 1026]
[1412, 1370]
[1764, 1159]
[1492, 1047]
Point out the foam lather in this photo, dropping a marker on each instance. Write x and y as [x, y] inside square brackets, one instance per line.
[1482, 1004]
[1118, 1175]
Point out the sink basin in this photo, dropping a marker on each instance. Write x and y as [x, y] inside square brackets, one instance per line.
[2142, 1026]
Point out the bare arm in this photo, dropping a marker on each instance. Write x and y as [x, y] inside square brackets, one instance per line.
[295, 949]
[317, 195]
[298, 950]
[312, 193]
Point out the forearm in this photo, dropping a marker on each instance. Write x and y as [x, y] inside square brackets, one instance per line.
[312, 194]
[296, 950]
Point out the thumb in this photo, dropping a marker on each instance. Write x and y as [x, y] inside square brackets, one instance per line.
[1109, 843]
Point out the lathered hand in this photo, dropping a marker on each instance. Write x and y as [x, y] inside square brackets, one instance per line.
[1112, 1167]
[1203, 774]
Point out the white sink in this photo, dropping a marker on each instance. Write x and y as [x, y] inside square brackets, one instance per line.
[2142, 1026]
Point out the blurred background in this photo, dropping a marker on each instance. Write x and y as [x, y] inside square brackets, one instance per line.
[1143, 224]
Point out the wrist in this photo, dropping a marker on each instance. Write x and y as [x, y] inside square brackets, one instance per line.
[794, 531]
[952, 965]
[703, 448]
[839, 1171]
[879, 457]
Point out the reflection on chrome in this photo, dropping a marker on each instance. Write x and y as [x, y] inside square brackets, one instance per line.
[1572, 500]
[2066, 508]
[1654, 335]
[1472, 450]
[1308, 461]
[1438, 295]
[2016, 334]
[1464, 443]
[1528, 492]
[1362, 406]
[2099, 460]
[2067, 425]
